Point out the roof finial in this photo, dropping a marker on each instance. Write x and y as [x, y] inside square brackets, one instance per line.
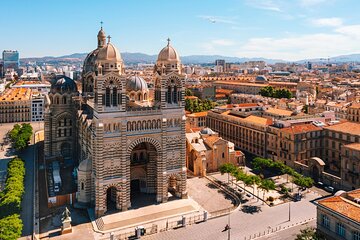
[168, 40]
[108, 38]
[101, 23]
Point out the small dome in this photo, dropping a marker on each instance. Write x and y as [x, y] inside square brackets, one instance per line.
[85, 166]
[207, 131]
[101, 33]
[261, 78]
[136, 83]
[109, 53]
[63, 84]
[168, 53]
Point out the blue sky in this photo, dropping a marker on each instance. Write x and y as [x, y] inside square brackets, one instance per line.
[282, 29]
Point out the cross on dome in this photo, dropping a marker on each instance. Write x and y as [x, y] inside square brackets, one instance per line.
[168, 40]
[101, 23]
[108, 38]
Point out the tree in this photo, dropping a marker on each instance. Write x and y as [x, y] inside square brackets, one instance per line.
[10, 227]
[266, 185]
[188, 92]
[307, 234]
[228, 168]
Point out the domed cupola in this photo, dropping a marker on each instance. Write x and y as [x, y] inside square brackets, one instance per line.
[168, 60]
[137, 91]
[101, 38]
[109, 59]
[136, 83]
[62, 84]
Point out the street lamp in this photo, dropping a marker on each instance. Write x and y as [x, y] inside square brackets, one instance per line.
[289, 212]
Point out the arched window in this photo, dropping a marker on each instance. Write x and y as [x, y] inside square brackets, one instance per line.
[145, 96]
[139, 97]
[82, 186]
[57, 100]
[115, 96]
[169, 95]
[107, 97]
[175, 95]
[119, 98]
[64, 100]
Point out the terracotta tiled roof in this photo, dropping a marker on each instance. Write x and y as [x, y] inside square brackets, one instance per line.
[258, 120]
[355, 106]
[16, 94]
[303, 128]
[353, 146]
[280, 112]
[343, 206]
[211, 140]
[191, 97]
[198, 114]
[346, 127]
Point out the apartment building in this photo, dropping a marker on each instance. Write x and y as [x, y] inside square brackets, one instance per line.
[338, 216]
[353, 112]
[350, 165]
[196, 120]
[15, 105]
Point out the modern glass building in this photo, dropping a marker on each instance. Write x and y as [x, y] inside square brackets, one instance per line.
[10, 59]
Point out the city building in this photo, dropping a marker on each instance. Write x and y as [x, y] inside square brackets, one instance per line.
[196, 120]
[36, 86]
[11, 59]
[353, 112]
[220, 65]
[129, 147]
[37, 107]
[350, 165]
[338, 216]
[206, 152]
[15, 105]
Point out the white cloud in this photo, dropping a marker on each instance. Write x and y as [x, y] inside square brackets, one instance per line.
[301, 47]
[218, 19]
[223, 42]
[352, 31]
[264, 4]
[310, 3]
[327, 22]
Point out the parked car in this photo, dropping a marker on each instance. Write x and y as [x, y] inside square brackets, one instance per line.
[320, 184]
[297, 197]
[329, 189]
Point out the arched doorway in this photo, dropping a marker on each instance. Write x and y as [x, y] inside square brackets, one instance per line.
[315, 173]
[111, 199]
[174, 186]
[143, 164]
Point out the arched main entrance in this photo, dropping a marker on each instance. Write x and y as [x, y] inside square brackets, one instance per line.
[143, 174]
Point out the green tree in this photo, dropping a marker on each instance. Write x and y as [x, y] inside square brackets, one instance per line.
[307, 234]
[228, 168]
[188, 92]
[11, 227]
[266, 185]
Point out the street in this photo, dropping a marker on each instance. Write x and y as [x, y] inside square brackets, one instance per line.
[243, 225]
[27, 205]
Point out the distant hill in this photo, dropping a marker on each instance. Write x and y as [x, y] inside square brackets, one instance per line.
[134, 58]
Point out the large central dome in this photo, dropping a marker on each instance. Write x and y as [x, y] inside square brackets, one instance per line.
[109, 53]
[168, 53]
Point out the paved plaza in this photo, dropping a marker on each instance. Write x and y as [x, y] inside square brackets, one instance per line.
[207, 195]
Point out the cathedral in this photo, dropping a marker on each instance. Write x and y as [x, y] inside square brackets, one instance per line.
[128, 147]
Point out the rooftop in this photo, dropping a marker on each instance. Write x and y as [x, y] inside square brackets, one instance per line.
[198, 114]
[16, 94]
[353, 146]
[346, 127]
[279, 112]
[344, 204]
[303, 128]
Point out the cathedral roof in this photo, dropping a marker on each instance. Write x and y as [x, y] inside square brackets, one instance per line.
[61, 83]
[136, 83]
[168, 53]
[109, 53]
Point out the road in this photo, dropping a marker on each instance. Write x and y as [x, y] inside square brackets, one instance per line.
[243, 225]
[27, 205]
